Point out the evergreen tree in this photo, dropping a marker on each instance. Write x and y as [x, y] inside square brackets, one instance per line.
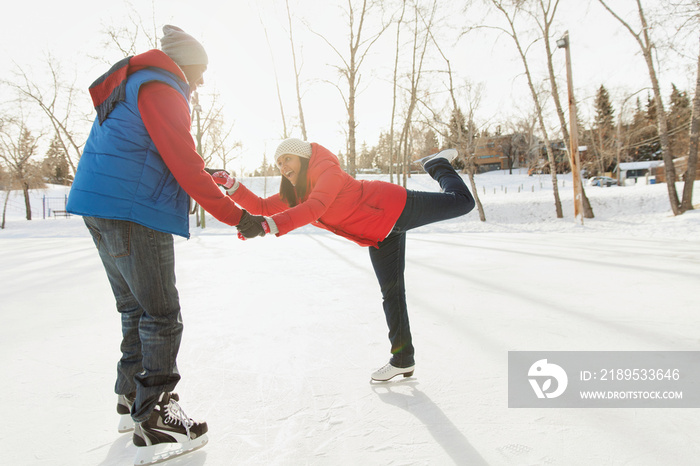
[366, 157]
[430, 143]
[604, 112]
[639, 117]
[55, 164]
[341, 159]
[457, 132]
[651, 109]
[643, 140]
[603, 135]
[458, 137]
[678, 121]
[266, 169]
[382, 151]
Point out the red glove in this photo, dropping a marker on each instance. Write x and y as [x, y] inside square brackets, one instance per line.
[221, 177]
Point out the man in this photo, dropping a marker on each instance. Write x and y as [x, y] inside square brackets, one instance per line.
[138, 169]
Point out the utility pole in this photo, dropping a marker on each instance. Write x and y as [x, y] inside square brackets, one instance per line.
[573, 132]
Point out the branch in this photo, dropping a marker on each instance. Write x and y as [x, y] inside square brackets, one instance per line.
[636, 35]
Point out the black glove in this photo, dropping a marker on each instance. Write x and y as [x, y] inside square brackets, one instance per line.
[251, 226]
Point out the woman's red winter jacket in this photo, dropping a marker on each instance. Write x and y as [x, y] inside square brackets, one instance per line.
[359, 210]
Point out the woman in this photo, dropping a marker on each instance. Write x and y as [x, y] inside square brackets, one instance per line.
[314, 189]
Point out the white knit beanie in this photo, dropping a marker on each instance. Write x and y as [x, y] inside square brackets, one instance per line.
[295, 147]
[182, 47]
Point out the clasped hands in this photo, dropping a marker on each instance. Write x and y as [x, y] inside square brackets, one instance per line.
[250, 226]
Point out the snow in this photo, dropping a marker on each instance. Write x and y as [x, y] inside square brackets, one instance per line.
[281, 335]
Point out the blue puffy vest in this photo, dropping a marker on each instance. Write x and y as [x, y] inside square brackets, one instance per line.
[121, 175]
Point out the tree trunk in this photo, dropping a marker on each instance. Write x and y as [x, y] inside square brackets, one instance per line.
[479, 206]
[415, 76]
[689, 177]
[4, 209]
[27, 205]
[351, 69]
[393, 105]
[352, 170]
[538, 108]
[661, 122]
[201, 221]
[302, 121]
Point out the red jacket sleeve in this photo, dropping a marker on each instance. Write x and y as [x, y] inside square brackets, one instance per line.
[167, 119]
[258, 205]
[325, 188]
[324, 191]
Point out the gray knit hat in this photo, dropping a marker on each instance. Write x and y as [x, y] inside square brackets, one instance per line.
[294, 146]
[182, 47]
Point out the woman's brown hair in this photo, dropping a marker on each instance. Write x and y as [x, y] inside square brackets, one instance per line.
[291, 194]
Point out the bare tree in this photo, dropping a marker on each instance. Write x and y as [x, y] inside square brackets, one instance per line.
[395, 84]
[211, 135]
[218, 145]
[545, 18]
[129, 39]
[464, 139]
[285, 132]
[526, 127]
[513, 34]
[17, 148]
[690, 173]
[420, 41]
[297, 74]
[359, 47]
[211, 132]
[647, 47]
[470, 138]
[57, 101]
[688, 11]
[6, 185]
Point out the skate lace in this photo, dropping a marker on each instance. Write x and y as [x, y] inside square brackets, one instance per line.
[174, 415]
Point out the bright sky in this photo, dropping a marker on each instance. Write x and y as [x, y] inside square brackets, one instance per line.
[241, 67]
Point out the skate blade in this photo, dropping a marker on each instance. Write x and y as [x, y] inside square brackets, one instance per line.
[153, 454]
[126, 424]
[405, 375]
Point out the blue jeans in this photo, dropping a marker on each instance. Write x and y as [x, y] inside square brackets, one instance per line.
[140, 266]
[389, 258]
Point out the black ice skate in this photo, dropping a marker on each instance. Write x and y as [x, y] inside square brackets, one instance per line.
[124, 403]
[167, 433]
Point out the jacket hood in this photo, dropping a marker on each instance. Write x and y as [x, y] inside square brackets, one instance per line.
[110, 88]
[321, 159]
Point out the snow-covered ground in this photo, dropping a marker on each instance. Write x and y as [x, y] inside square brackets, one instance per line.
[281, 335]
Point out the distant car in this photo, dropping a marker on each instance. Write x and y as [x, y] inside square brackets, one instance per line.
[602, 181]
